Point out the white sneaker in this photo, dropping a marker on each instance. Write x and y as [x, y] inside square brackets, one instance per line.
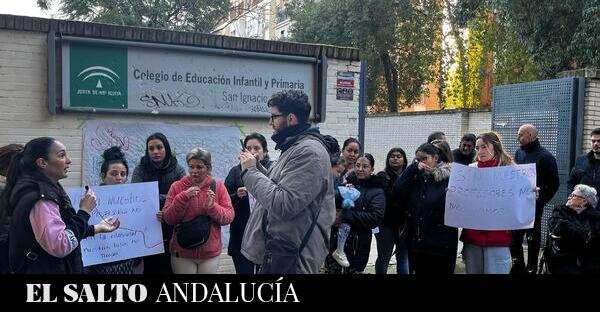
[340, 258]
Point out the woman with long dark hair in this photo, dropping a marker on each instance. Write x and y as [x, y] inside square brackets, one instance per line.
[422, 188]
[256, 144]
[392, 228]
[6, 154]
[45, 230]
[159, 164]
[350, 152]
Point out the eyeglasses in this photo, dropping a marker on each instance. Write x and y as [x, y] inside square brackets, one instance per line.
[577, 196]
[273, 116]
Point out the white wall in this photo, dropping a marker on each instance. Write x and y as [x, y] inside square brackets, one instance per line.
[409, 130]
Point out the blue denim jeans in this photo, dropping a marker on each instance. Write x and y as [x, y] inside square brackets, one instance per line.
[486, 260]
[386, 239]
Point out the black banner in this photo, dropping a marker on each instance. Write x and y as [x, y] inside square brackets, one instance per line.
[296, 290]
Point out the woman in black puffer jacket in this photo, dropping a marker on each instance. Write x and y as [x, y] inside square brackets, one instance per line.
[366, 214]
[422, 188]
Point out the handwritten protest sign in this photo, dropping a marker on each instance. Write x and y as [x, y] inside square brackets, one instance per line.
[498, 198]
[140, 233]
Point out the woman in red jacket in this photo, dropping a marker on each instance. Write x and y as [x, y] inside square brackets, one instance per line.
[189, 197]
[488, 252]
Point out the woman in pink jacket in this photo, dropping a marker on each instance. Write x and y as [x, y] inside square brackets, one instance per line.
[189, 197]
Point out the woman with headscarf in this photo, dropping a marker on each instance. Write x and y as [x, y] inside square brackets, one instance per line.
[159, 164]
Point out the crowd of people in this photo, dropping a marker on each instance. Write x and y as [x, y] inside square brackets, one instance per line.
[289, 215]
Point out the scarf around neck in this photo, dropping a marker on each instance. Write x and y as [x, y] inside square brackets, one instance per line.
[486, 164]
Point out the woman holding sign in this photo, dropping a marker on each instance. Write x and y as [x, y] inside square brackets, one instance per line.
[196, 194]
[256, 144]
[45, 231]
[159, 164]
[488, 252]
[422, 189]
[114, 170]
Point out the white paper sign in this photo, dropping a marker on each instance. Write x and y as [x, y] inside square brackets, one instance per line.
[140, 233]
[498, 198]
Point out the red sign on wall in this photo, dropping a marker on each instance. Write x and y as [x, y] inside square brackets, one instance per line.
[345, 83]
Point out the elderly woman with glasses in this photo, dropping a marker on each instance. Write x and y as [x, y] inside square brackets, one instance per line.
[573, 245]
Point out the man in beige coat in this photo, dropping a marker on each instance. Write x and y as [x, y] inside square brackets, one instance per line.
[288, 230]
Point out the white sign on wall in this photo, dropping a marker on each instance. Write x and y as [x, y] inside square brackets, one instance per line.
[140, 232]
[163, 79]
[498, 198]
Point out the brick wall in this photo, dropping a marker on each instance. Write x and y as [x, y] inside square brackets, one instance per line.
[591, 111]
[409, 130]
[24, 107]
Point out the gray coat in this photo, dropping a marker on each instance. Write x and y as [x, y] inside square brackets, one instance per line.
[290, 193]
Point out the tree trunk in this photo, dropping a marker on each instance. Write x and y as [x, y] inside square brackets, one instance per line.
[391, 80]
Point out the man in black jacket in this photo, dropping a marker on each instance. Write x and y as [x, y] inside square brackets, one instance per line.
[587, 167]
[465, 153]
[547, 180]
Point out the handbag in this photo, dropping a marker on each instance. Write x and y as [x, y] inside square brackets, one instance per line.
[194, 233]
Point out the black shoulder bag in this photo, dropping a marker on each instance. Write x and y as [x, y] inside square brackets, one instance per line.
[193, 233]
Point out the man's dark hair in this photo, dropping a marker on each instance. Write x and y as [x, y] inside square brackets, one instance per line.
[595, 132]
[333, 148]
[291, 102]
[469, 137]
[438, 135]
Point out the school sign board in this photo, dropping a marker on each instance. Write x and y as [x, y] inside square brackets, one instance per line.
[118, 76]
